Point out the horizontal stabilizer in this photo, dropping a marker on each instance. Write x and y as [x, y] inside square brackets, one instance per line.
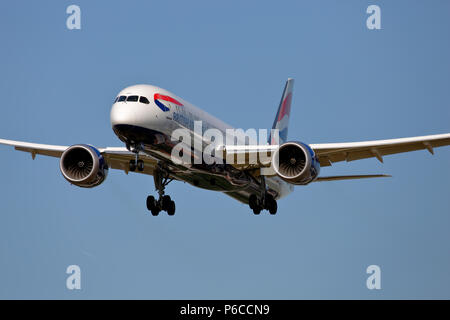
[364, 176]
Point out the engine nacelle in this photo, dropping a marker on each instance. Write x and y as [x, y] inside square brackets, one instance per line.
[296, 163]
[83, 166]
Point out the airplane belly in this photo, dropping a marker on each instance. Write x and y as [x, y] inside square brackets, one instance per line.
[217, 177]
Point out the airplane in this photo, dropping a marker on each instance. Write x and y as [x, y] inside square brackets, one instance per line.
[144, 117]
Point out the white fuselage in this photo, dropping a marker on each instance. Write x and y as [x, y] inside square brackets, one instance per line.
[151, 121]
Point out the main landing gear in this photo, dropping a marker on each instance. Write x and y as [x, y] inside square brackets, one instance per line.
[264, 201]
[161, 178]
[164, 202]
[258, 204]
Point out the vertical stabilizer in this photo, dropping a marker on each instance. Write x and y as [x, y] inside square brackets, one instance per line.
[281, 121]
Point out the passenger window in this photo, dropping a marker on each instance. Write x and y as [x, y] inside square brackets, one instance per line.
[144, 100]
[133, 98]
[122, 98]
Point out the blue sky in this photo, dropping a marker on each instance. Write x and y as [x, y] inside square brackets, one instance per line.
[230, 58]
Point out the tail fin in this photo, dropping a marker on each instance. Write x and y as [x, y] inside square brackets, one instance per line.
[281, 121]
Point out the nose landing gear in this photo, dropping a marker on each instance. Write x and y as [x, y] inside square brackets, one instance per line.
[136, 163]
[164, 202]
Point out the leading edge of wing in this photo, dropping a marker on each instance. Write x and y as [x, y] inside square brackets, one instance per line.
[57, 151]
[380, 143]
[35, 148]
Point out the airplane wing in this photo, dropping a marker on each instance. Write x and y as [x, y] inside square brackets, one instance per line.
[329, 153]
[35, 148]
[116, 157]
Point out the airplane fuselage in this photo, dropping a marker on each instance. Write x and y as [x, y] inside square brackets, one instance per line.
[147, 115]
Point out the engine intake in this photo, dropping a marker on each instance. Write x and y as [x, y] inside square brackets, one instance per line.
[83, 166]
[296, 163]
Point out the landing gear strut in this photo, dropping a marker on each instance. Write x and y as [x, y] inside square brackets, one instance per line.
[164, 202]
[264, 201]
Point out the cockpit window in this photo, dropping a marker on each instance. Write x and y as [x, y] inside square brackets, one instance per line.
[141, 99]
[144, 100]
[133, 98]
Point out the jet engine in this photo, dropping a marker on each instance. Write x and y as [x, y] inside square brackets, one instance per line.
[296, 163]
[83, 166]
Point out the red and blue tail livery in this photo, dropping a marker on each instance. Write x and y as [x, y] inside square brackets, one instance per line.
[281, 121]
[160, 99]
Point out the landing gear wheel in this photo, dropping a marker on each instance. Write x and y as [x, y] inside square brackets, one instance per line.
[273, 208]
[253, 201]
[132, 165]
[171, 208]
[165, 203]
[140, 165]
[155, 212]
[271, 204]
[151, 203]
[257, 210]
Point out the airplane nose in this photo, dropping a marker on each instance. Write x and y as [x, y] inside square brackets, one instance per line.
[123, 118]
[122, 114]
[135, 122]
